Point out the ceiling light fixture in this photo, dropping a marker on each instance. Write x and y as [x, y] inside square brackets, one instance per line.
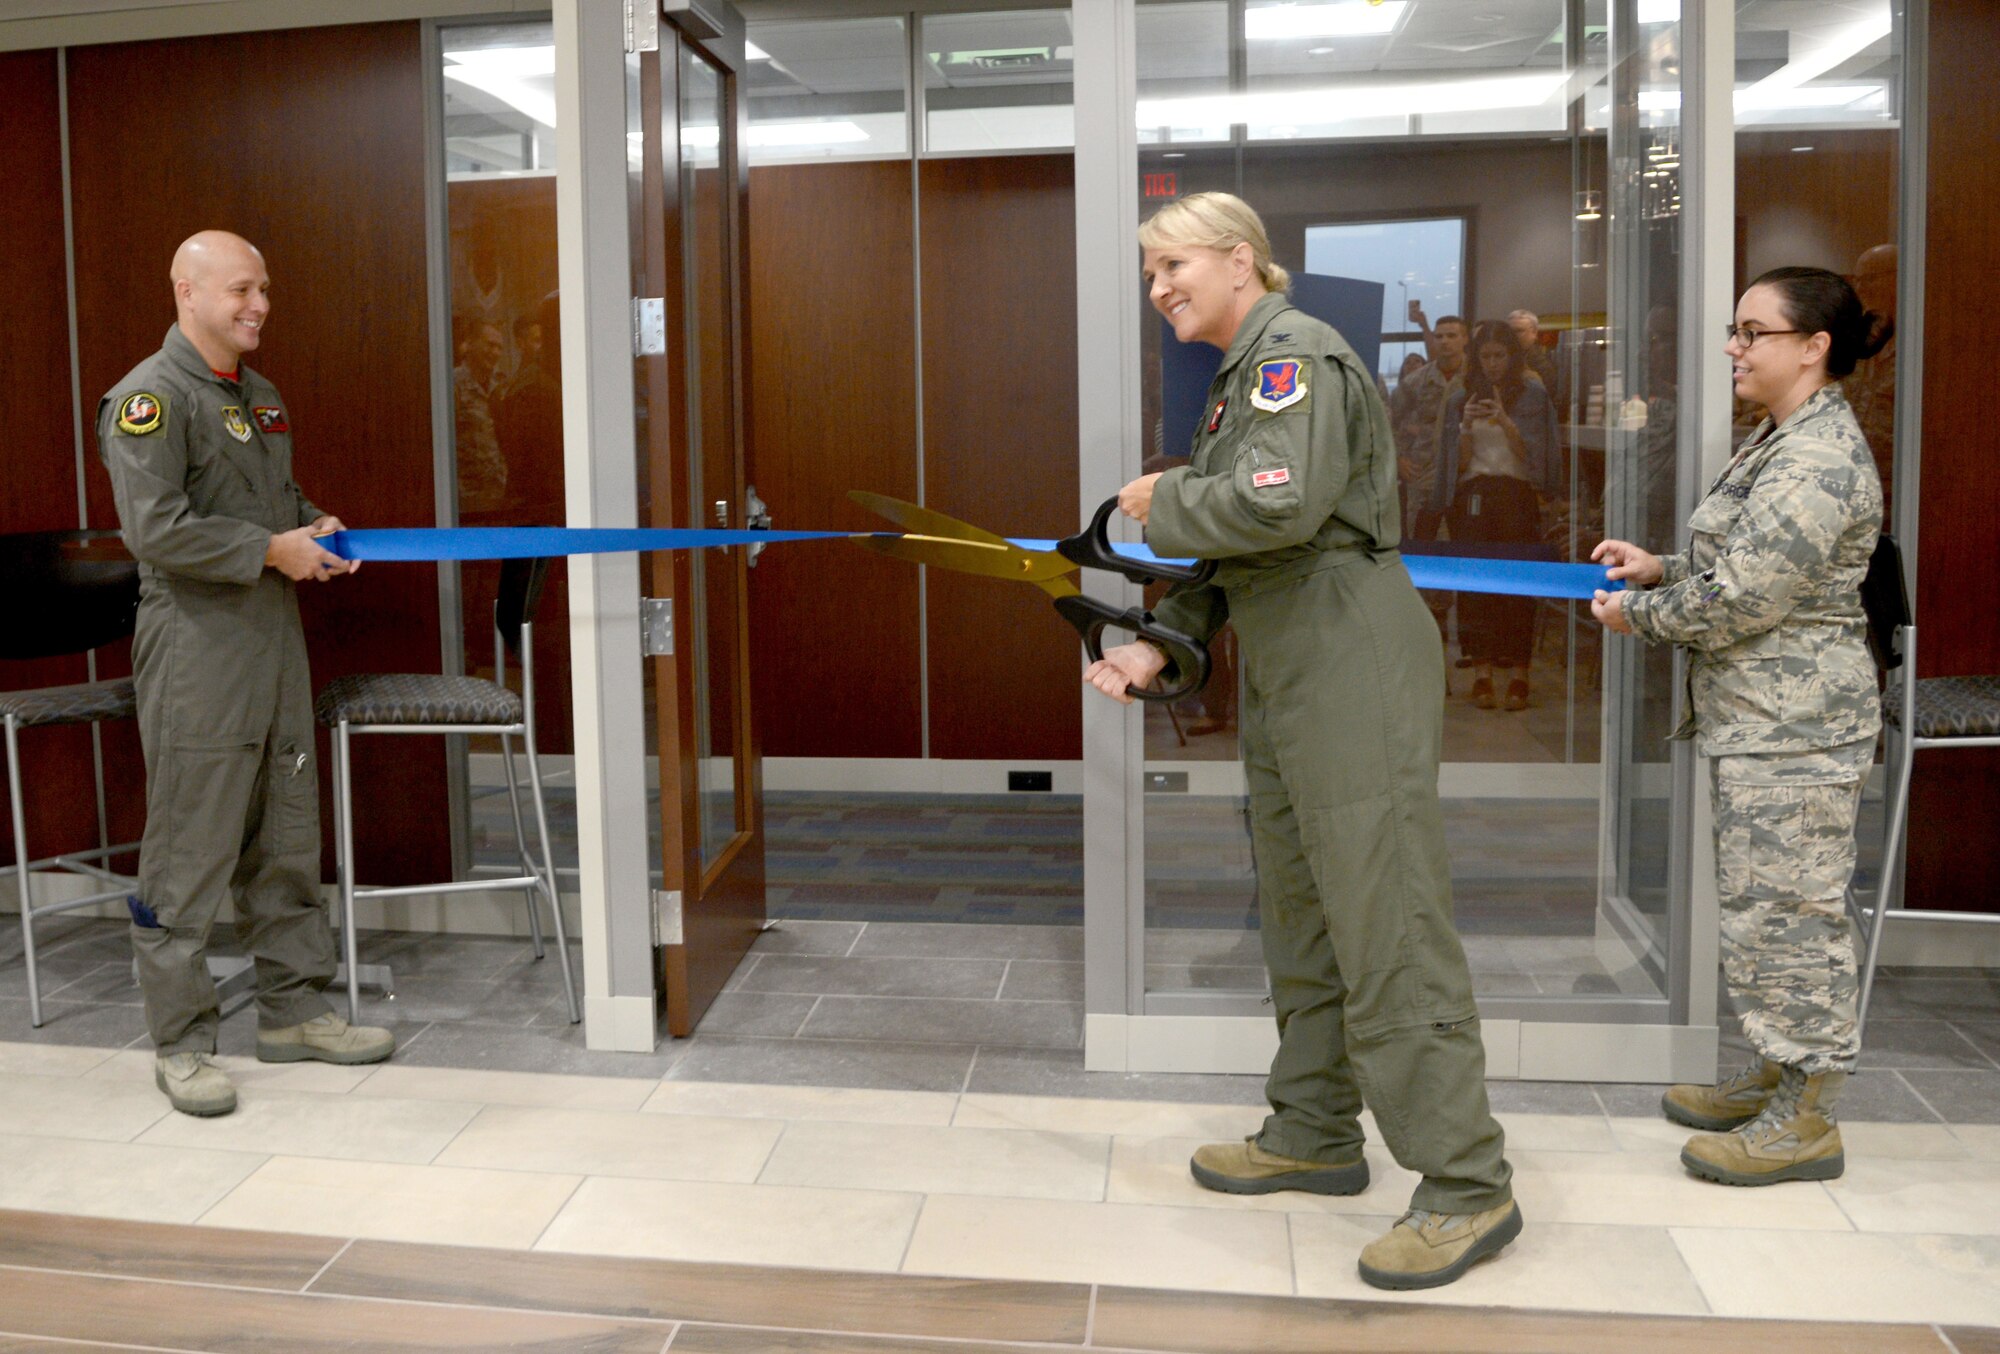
[1339, 19]
[523, 78]
[1315, 107]
[1780, 88]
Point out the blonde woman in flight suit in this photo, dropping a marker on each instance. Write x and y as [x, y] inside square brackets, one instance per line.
[1292, 489]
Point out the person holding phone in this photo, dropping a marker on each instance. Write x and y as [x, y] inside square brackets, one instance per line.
[1497, 460]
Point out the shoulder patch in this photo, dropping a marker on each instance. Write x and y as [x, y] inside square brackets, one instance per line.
[271, 419]
[1281, 383]
[140, 413]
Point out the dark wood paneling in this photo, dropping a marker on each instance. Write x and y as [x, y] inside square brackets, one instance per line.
[38, 472]
[1000, 415]
[833, 629]
[1954, 860]
[310, 145]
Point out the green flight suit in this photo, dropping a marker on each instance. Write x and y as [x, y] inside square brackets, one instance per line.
[201, 467]
[1292, 490]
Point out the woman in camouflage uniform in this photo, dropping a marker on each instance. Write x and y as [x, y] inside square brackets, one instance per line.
[1782, 696]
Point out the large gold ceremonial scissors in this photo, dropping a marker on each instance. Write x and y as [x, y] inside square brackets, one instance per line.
[933, 538]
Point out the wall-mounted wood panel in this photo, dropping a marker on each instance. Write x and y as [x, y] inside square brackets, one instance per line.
[309, 143]
[38, 472]
[1955, 799]
[833, 629]
[1000, 419]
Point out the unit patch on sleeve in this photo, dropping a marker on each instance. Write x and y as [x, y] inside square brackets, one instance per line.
[234, 423]
[270, 419]
[1280, 385]
[140, 413]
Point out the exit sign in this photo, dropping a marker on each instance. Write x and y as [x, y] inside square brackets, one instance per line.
[1165, 184]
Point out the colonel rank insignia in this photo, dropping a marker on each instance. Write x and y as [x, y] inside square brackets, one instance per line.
[234, 423]
[1280, 385]
[140, 413]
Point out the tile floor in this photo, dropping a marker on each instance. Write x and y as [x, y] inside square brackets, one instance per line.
[911, 1100]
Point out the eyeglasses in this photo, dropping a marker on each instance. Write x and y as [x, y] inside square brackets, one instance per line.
[1744, 335]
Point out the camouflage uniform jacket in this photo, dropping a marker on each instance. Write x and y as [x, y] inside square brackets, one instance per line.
[1767, 598]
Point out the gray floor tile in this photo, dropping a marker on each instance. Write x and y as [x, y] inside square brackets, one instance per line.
[796, 936]
[1541, 1097]
[1629, 1100]
[1976, 998]
[1984, 1035]
[471, 1001]
[775, 1015]
[972, 979]
[880, 1065]
[1961, 1097]
[84, 978]
[1885, 1095]
[412, 954]
[554, 1049]
[1043, 980]
[1207, 978]
[1019, 1071]
[1201, 946]
[72, 1023]
[970, 941]
[1018, 1024]
[1930, 1045]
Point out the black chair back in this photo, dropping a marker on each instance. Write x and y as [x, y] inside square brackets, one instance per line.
[62, 597]
[520, 593]
[1886, 602]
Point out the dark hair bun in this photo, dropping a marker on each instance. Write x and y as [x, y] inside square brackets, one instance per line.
[1820, 302]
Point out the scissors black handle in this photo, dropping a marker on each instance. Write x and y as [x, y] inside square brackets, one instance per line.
[1092, 617]
[1092, 548]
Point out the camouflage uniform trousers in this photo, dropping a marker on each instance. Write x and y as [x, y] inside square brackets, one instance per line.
[1784, 853]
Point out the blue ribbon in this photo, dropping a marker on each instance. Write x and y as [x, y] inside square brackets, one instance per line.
[1448, 573]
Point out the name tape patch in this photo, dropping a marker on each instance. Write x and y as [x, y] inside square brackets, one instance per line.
[1264, 479]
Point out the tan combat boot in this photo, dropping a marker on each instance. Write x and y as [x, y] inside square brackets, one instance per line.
[325, 1038]
[1429, 1250]
[1730, 1103]
[194, 1084]
[1795, 1138]
[1245, 1168]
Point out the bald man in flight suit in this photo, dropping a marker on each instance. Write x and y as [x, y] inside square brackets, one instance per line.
[200, 455]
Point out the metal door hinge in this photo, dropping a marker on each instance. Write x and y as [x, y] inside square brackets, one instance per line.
[656, 627]
[642, 25]
[649, 326]
[666, 917]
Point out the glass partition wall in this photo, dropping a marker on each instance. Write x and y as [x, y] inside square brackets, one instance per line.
[1512, 168]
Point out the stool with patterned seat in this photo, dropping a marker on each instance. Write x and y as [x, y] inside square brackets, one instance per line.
[1919, 715]
[69, 592]
[439, 704]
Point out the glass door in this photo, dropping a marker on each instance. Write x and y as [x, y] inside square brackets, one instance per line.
[710, 847]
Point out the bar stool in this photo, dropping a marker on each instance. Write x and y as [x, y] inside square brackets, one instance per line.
[1927, 714]
[63, 598]
[434, 703]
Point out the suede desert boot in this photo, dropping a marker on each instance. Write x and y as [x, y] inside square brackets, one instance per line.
[325, 1038]
[1245, 1168]
[1429, 1250]
[194, 1084]
[1795, 1138]
[1730, 1103]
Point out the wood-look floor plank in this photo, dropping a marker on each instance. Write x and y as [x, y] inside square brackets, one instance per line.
[239, 1321]
[883, 1304]
[158, 1250]
[30, 1344]
[1974, 1339]
[739, 1340]
[1207, 1323]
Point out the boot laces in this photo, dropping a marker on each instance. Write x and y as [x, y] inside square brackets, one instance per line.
[1782, 1106]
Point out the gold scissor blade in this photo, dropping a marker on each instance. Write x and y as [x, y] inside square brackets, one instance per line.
[922, 521]
[1046, 571]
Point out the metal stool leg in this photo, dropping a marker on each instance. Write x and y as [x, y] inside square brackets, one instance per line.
[343, 831]
[22, 874]
[528, 865]
[548, 871]
[1899, 815]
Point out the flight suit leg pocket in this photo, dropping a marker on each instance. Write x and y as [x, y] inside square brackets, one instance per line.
[209, 785]
[292, 806]
[1353, 849]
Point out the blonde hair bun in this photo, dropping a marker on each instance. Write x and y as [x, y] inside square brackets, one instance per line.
[1215, 221]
